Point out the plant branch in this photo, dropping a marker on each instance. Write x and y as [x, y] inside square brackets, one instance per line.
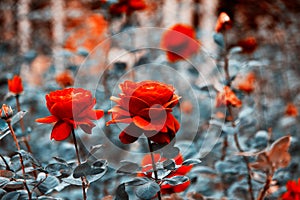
[83, 179]
[240, 149]
[154, 166]
[24, 138]
[263, 192]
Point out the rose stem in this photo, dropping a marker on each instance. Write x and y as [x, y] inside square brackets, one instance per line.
[264, 190]
[79, 162]
[227, 77]
[154, 166]
[21, 158]
[246, 160]
[236, 140]
[25, 140]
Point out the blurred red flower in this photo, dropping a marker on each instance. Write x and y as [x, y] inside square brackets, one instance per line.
[15, 85]
[291, 110]
[165, 187]
[180, 42]
[127, 6]
[146, 106]
[293, 190]
[248, 45]
[88, 33]
[70, 108]
[64, 79]
[247, 85]
[227, 97]
[223, 23]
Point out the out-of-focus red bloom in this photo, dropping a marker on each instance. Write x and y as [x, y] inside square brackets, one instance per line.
[181, 171]
[127, 6]
[89, 33]
[6, 112]
[227, 97]
[70, 108]
[64, 79]
[248, 45]
[293, 190]
[247, 85]
[291, 110]
[15, 85]
[146, 106]
[180, 42]
[223, 23]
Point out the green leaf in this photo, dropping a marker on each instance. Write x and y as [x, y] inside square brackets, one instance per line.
[148, 190]
[121, 193]
[191, 162]
[176, 180]
[128, 167]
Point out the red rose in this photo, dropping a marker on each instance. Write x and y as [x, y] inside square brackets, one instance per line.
[64, 79]
[291, 110]
[127, 6]
[180, 42]
[146, 106]
[293, 191]
[248, 45]
[223, 23]
[166, 188]
[15, 85]
[227, 97]
[70, 108]
[247, 85]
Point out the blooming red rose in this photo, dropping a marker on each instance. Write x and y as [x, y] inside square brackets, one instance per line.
[248, 45]
[227, 97]
[15, 85]
[293, 191]
[247, 85]
[223, 23]
[146, 106]
[70, 108]
[180, 42]
[166, 188]
[291, 110]
[127, 6]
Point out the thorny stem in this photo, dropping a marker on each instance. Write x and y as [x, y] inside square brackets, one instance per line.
[246, 160]
[83, 180]
[154, 166]
[25, 139]
[21, 158]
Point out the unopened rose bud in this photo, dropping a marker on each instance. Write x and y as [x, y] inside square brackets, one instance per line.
[6, 112]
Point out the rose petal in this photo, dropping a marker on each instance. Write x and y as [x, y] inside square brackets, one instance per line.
[147, 126]
[161, 138]
[61, 131]
[47, 120]
[87, 128]
[126, 138]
